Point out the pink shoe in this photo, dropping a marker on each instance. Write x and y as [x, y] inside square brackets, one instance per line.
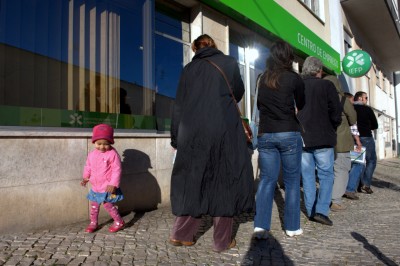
[116, 226]
[91, 227]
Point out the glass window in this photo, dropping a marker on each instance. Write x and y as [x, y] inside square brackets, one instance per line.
[172, 53]
[384, 85]
[251, 55]
[75, 63]
[316, 6]
[378, 78]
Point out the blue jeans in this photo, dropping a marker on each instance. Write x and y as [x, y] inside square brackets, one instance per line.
[370, 157]
[357, 169]
[274, 149]
[322, 160]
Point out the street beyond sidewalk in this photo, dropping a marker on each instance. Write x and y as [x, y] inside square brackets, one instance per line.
[366, 233]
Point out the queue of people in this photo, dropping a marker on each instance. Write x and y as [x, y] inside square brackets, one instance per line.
[305, 133]
[307, 128]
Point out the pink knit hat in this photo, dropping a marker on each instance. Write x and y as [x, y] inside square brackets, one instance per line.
[103, 131]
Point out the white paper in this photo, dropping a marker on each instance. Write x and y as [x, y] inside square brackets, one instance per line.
[358, 157]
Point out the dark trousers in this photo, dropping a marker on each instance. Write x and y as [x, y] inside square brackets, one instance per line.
[186, 227]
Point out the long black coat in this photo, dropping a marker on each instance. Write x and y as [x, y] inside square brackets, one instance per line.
[212, 172]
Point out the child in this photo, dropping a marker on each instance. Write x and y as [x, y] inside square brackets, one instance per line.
[103, 171]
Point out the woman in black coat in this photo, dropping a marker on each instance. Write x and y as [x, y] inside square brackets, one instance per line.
[212, 173]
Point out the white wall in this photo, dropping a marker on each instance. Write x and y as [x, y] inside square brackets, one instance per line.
[41, 177]
[336, 26]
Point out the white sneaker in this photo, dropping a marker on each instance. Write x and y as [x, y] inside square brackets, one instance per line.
[260, 233]
[294, 233]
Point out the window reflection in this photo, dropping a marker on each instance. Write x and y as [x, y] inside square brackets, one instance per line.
[171, 57]
[67, 54]
[172, 52]
[77, 55]
[92, 58]
[250, 67]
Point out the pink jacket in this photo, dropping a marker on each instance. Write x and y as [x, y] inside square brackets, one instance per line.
[103, 169]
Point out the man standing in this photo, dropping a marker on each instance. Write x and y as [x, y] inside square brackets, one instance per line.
[344, 145]
[366, 122]
[320, 117]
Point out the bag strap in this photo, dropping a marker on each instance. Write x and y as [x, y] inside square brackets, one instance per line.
[253, 116]
[227, 83]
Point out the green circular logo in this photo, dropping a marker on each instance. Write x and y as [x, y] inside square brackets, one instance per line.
[356, 63]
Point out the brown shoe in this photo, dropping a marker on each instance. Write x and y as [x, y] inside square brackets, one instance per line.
[367, 190]
[351, 195]
[178, 243]
[231, 245]
[337, 207]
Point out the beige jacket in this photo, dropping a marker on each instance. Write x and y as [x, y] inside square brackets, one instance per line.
[345, 141]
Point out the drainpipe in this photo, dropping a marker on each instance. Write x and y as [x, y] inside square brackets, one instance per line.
[396, 83]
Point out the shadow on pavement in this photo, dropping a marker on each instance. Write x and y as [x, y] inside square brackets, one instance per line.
[266, 252]
[373, 249]
[279, 198]
[207, 224]
[384, 184]
[280, 203]
[136, 217]
[241, 219]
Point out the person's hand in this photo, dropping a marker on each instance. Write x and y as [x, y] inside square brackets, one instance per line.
[84, 182]
[110, 189]
[358, 147]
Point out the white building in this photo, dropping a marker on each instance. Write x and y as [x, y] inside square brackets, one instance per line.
[374, 27]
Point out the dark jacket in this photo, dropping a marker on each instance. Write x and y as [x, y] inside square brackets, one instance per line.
[322, 113]
[345, 141]
[277, 106]
[366, 120]
[212, 173]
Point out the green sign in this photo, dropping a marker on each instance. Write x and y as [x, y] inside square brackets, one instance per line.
[43, 117]
[274, 18]
[356, 63]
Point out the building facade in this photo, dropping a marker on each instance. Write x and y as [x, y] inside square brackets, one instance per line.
[374, 27]
[68, 65]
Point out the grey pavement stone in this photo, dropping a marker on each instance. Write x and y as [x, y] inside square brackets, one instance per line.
[366, 233]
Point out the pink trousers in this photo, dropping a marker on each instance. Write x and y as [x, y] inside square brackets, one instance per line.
[186, 227]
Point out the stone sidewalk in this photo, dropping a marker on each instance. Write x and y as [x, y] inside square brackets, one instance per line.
[367, 233]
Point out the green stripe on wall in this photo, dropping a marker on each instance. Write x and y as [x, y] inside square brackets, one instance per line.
[42, 117]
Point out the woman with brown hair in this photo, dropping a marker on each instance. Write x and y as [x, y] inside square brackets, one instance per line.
[212, 173]
[281, 91]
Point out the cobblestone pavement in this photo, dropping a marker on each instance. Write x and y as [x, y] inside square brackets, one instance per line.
[366, 233]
